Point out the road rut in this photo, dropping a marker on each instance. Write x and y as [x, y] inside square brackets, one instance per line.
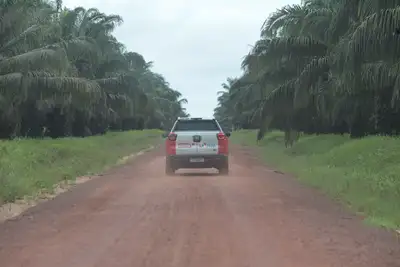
[136, 216]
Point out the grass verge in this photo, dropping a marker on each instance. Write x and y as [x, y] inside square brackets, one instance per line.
[365, 173]
[28, 166]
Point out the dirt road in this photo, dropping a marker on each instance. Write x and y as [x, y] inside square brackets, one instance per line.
[135, 216]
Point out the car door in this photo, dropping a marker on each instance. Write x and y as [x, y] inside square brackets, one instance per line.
[185, 144]
[208, 144]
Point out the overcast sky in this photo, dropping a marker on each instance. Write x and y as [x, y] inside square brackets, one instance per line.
[196, 45]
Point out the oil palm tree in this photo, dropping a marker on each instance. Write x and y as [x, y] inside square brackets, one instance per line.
[326, 66]
[63, 70]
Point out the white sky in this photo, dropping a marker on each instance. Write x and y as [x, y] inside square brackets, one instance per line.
[196, 45]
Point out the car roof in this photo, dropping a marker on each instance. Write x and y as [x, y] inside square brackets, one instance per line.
[195, 118]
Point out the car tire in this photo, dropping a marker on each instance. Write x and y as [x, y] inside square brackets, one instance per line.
[169, 170]
[224, 168]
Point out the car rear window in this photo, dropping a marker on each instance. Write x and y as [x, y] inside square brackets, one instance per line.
[196, 125]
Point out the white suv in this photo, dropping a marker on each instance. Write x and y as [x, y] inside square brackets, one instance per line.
[196, 143]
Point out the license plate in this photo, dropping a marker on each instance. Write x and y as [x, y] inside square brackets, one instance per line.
[196, 160]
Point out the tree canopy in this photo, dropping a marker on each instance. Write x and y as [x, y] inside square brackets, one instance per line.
[321, 66]
[64, 73]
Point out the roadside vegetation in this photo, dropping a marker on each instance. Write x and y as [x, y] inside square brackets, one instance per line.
[325, 74]
[363, 173]
[63, 76]
[29, 166]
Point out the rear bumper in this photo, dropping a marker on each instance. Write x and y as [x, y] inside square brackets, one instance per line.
[210, 161]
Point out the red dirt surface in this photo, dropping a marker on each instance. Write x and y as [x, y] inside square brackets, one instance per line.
[136, 216]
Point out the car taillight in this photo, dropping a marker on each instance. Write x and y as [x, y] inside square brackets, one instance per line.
[221, 136]
[171, 144]
[172, 136]
[222, 144]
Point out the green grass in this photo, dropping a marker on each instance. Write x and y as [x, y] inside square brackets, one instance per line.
[365, 173]
[28, 166]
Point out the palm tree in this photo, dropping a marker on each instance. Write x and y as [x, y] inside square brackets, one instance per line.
[62, 72]
[325, 66]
